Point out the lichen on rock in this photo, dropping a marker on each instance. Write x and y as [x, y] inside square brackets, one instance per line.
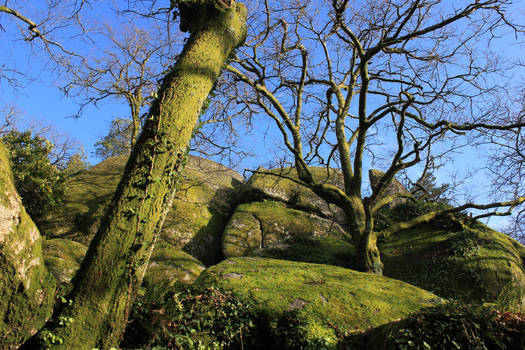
[169, 264]
[261, 225]
[63, 258]
[270, 185]
[473, 265]
[203, 203]
[26, 287]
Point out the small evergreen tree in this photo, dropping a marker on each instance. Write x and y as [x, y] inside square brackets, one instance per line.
[427, 190]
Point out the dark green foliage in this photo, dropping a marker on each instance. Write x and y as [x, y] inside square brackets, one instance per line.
[40, 171]
[386, 217]
[446, 327]
[295, 331]
[465, 243]
[117, 142]
[41, 185]
[427, 190]
[192, 318]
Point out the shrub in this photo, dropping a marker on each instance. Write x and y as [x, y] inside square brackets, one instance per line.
[445, 327]
[190, 318]
[39, 183]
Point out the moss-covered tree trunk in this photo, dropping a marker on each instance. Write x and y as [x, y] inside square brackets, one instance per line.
[112, 271]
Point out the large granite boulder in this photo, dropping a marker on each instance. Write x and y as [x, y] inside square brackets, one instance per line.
[63, 258]
[393, 188]
[262, 225]
[475, 264]
[168, 264]
[320, 250]
[26, 287]
[274, 187]
[205, 199]
[324, 297]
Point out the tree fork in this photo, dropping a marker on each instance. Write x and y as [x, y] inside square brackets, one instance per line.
[112, 271]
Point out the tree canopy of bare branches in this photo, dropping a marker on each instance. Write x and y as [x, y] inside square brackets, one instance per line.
[345, 82]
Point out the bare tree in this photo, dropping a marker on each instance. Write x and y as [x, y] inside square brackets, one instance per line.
[129, 69]
[345, 82]
[45, 29]
[507, 162]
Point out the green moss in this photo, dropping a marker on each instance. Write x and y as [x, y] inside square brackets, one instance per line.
[63, 258]
[261, 186]
[471, 266]
[26, 287]
[270, 223]
[169, 265]
[204, 202]
[332, 296]
[329, 251]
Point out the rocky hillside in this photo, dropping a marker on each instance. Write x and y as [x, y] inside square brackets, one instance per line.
[280, 245]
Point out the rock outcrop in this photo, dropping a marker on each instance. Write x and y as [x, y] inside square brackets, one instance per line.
[262, 225]
[394, 187]
[204, 201]
[26, 287]
[328, 297]
[169, 265]
[473, 265]
[280, 219]
[63, 258]
[274, 187]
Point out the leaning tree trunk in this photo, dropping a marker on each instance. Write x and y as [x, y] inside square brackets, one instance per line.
[112, 271]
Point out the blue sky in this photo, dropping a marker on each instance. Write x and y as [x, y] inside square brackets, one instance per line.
[42, 100]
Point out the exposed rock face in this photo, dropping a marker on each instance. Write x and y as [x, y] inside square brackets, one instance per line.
[321, 250]
[394, 187]
[325, 295]
[26, 287]
[260, 225]
[204, 201]
[261, 186]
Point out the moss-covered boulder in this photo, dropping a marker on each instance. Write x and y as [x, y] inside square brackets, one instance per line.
[63, 257]
[473, 265]
[205, 199]
[26, 287]
[324, 250]
[87, 195]
[264, 186]
[395, 187]
[326, 297]
[261, 225]
[169, 264]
